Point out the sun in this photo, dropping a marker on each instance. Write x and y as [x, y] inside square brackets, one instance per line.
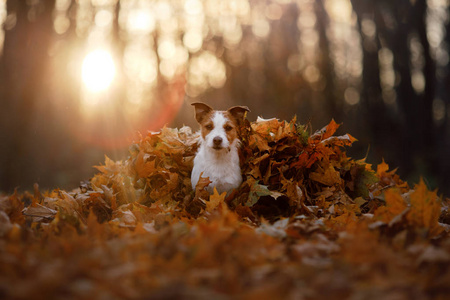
[98, 70]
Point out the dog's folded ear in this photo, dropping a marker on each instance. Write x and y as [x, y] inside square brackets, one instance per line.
[239, 112]
[201, 110]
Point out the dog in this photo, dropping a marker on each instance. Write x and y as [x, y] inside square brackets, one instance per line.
[217, 156]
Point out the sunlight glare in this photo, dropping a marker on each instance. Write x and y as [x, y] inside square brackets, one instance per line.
[141, 21]
[339, 10]
[98, 70]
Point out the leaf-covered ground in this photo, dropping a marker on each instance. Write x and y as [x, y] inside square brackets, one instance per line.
[308, 222]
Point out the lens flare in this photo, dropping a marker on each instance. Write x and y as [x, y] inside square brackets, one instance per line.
[98, 70]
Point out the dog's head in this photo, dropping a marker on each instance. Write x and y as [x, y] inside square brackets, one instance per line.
[219, 129]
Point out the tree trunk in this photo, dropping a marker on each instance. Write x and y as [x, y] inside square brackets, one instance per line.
[22, 73]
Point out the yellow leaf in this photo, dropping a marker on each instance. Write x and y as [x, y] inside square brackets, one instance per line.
[425, 209]
[214, 200]
[395, 205]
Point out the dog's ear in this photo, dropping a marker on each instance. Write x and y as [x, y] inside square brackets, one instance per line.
[239, 112]
[201, 110]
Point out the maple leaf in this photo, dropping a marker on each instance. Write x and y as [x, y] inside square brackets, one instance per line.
[202, 183]
[425, 209]
[287, 129]
[144, 166]
[344, 222]
[325, 132]
[266, 126]
[382, 168]
[395, 205]
[110, 167]
[198, 203]
[259, 141]
[327, 176]
[215, 200]
[390, 178]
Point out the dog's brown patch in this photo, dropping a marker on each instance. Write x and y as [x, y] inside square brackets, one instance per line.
[230, 126]
[207, 124]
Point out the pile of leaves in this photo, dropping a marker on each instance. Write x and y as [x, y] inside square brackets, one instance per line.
[307, 222]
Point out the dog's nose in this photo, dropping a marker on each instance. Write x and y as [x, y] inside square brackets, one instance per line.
[217, 141]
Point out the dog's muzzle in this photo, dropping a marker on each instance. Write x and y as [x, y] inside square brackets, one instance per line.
[217, 142]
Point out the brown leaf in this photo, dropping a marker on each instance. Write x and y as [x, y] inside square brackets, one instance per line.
[327, 176]
[5, 224]
[13, 207]
[198, 203]
[40, 211]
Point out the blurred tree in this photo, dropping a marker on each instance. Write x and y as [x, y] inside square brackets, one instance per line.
[407, 128]
[380, 67]
[23, 80]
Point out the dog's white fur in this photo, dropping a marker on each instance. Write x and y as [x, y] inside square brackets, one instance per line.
[221, 165]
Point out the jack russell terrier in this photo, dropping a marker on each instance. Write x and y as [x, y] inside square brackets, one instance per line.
[217, 156]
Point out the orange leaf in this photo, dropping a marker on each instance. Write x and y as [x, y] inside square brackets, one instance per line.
[110, 166]
[202, 183]
[425, 209]
[395, 205]
[382, 168]
[259, 141]
[326, 131]
[214, 200]
[328, 176]
[266, 126]
[331, 129]
[143, 167]
[347, 221]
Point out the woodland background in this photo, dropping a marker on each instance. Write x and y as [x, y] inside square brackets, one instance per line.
[380, 67]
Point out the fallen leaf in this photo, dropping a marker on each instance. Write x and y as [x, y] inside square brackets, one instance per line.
[395, 205]
[214, 200]
[328, 176]
[425, 209]
[40, 211]
[256, 191]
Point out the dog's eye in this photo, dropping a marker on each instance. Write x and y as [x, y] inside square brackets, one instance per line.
[209, 127]
[228, 127]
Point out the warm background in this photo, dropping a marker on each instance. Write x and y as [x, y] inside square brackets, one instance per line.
[78, 79]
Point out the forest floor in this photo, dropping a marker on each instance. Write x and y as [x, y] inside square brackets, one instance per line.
[308, 222]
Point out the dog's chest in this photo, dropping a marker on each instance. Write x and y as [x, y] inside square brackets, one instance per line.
[223, 171]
